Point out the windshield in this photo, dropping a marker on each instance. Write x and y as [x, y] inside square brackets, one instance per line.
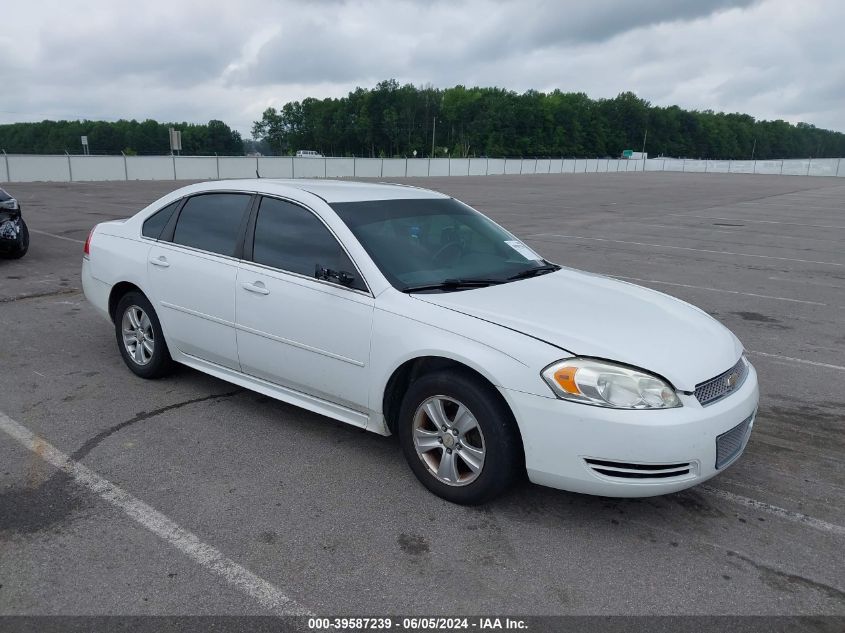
[4, 196]
[438, 241]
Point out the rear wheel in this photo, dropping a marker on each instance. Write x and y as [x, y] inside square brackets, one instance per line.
[458, 437]
[139, 337]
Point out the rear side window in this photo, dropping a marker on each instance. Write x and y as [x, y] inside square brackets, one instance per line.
[212, 222]
[291, 238]
[154, 225]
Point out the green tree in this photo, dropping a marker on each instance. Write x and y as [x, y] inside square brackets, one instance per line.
[395, 120]
[112, 137]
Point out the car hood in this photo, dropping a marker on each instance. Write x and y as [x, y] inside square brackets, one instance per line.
[591, 315]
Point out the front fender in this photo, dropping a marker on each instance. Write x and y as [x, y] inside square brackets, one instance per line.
[507, 359]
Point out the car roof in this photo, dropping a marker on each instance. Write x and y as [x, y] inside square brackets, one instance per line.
[329, 190]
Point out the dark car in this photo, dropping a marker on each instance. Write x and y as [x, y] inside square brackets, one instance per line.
[14, 235]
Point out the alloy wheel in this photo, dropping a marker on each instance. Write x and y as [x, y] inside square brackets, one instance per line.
[138, 336]
[448, 440]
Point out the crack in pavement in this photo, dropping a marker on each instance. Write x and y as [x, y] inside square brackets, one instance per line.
[182, 540]
[781, 580]
[40, 295]
[93, 442]
[770, 576]
[31, 509]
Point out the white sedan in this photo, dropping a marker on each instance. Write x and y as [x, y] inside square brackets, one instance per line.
[404, 311]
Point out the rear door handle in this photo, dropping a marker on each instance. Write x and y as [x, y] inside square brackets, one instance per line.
[160, 261]
[257, 287]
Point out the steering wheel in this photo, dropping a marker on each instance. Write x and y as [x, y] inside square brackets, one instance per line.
[446, 248]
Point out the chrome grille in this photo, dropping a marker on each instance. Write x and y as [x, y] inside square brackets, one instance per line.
[627, 470]
[722, 385]
[729, 444]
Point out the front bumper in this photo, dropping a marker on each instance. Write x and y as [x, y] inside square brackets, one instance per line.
[619, 453]
[11, 231]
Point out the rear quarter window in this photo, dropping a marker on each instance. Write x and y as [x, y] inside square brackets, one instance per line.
[154, 225]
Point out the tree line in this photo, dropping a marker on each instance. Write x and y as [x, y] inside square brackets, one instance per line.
[404, 120]
[107, 137]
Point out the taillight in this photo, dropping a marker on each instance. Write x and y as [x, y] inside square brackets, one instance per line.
[86, 250]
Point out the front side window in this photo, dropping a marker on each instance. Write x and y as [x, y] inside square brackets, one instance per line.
[419, 243]
[212, 222]
[154, 225]
[293, 239]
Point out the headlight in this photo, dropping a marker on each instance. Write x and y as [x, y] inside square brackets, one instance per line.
[10, 204]
[605, 384]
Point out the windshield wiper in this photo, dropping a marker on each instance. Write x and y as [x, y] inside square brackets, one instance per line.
[454, 284]
[531, 272]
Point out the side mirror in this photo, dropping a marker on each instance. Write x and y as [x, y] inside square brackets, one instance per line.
[338, 276]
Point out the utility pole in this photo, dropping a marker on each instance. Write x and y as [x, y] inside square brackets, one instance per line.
[433, 128]
[753, 148]
[645, 136]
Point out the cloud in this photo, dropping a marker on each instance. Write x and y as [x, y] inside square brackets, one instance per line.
[197, 60]
[414, 36]
[544, 23]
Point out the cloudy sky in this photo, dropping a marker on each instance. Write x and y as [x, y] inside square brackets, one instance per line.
[196, 60]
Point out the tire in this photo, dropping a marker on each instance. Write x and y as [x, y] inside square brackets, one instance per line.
[24, 247]
[147, 357]
[489, 427]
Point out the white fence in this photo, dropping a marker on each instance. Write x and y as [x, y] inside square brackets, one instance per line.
[786, 167]
[25, 168]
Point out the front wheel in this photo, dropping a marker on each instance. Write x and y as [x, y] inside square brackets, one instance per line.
[139, 337]
[458, 437]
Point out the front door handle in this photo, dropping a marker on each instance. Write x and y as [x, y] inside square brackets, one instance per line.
[160, 261]
[257, 287]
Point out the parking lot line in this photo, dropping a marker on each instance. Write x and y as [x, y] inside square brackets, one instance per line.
[807, 282]
[796, 360]
[742, 235]
[58, 237]
[684, 248]
[783, 513]
[707, 217]
[262, 591]
[732, 292]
